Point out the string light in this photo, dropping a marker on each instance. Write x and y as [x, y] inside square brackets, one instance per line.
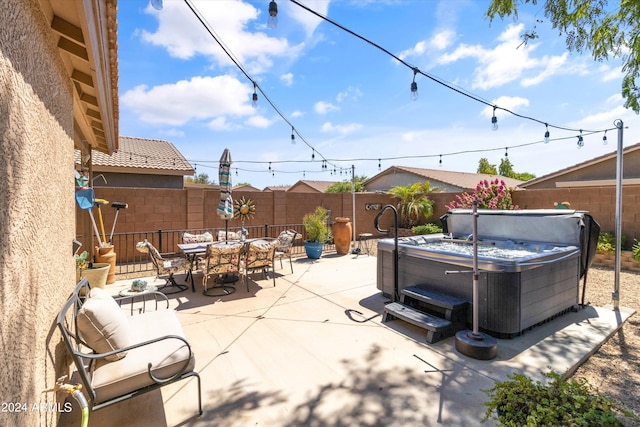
[272, 21]
[440, 160]
[604, 138]
[494, 119]
[293, 137]
[580, 140]
[506, 152]
[414, 86]
[313, 154]
[254, 97]
[379, 165]
[546, 134]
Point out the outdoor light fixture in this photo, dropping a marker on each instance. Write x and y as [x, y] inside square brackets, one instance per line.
[604, 138]
[313, 154]
[156, 4]
[414, 86]
[379, 165]
[506, 152]
[254, 98]
[293, 137]
[580, 140]
[494, 120]
[272, 22]
[440, 160]
[546, 135]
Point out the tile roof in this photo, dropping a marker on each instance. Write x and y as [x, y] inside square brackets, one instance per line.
[466, 180]
[582, 165]
[276, 188]
[142, 154]
[319, 186]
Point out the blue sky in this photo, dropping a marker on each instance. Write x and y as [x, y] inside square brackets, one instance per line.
[349, 100]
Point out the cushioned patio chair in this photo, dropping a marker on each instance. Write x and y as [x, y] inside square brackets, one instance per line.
[118, 357]
[260, 256]
[285, 245]
[166, 265]
[197, 238]
[230, 235]
[221, 260]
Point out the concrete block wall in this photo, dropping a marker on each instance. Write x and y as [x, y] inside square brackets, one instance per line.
[167, 209]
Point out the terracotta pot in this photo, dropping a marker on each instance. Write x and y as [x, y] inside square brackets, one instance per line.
[107, 255]
[341, 230]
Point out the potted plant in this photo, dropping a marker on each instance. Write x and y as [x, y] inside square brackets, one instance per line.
[96, 272]
[520, 401]
[318, 232]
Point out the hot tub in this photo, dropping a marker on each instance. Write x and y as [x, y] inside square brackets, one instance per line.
[531, 262]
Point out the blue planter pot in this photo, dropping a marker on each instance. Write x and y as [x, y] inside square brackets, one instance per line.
[313, 249]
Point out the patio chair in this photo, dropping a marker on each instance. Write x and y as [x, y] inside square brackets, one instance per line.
[197, 238]
[285, 245]
[229, 235]
[221, 260]
[260, 256]
[166, 265]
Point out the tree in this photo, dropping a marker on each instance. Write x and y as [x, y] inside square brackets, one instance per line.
[487, 168]
[414, 203]
[201, 178]
[589, 26]
[345, 186]
[506, 169]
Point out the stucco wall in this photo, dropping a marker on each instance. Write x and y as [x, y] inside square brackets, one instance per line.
[36, 210]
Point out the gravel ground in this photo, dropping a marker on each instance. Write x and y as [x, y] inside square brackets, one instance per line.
[615, 368]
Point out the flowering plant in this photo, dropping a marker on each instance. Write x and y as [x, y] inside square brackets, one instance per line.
[489, 195]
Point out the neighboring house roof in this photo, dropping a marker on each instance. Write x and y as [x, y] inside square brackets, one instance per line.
[143, 156]
[599, 171]
[456, 181]
[245, 187]
[86, 36]
[276, 188]
[311, 186]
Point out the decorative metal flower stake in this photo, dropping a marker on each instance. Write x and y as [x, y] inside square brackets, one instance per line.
[244, 209]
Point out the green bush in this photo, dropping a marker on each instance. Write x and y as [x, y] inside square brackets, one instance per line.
[635, 251]
[429, 228]
[607, 242]
[520, 401]
[315, 224]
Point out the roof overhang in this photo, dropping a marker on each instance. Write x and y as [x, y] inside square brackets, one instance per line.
[86, 33]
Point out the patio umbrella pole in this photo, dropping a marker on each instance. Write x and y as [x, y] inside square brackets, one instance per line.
[475, 343]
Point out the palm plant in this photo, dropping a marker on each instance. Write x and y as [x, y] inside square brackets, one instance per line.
[413, 202]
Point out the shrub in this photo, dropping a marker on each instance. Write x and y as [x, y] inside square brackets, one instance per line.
[635, 251]
[607, 242]
[315, 224]
[429, 228]
[521, 402]
[489, 195]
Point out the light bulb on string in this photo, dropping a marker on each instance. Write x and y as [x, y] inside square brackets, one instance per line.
[580, 140]
[304, 174]
[236, 171]
[379, 165]
[414, 86]
[269, 165]
[254, 97]
[494, 120]
[506, 152]
[604, 138]
[313, 154]
[546, 134]
[272, 21]
[293, 137]
[440, 160]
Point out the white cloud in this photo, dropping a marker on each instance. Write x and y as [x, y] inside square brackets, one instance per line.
[198, 98]
[322, 107]
[341, 129]
[511, 103]
[351, 93]
[182, 34]
[308, 21]
[287, 79]
[509, 60]
[219, 123]
[297, 113]
[439, 41]
[609, 73]
[258, 121]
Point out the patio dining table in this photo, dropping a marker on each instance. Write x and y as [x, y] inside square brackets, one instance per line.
[192, 251]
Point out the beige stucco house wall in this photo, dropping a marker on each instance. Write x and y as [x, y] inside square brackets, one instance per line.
[39, 113]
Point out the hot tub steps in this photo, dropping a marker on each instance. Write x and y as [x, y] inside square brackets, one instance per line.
[453, 308]
[442, 315]
[437, 327]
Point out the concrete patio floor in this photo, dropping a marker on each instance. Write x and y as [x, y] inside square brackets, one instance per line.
[312, 351]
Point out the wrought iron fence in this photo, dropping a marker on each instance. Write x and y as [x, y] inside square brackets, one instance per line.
[130, 261]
